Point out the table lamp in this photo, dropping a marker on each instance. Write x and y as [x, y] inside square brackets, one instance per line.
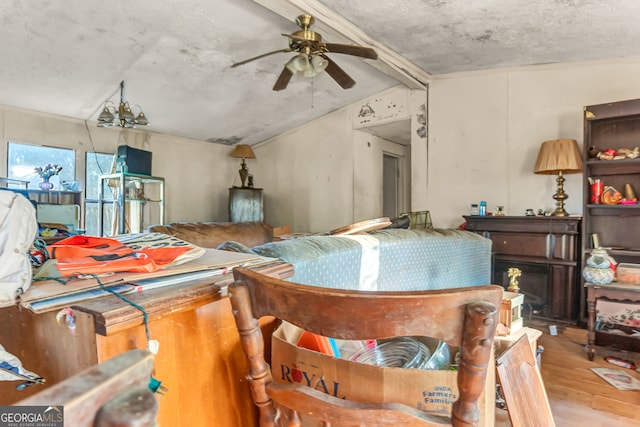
[559, 156]
[243, 151]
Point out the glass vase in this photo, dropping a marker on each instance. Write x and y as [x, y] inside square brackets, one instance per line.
[45, 184]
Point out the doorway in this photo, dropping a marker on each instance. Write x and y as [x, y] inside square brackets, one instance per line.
[390, 185]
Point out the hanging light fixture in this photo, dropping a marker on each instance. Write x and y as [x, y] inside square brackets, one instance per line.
[307, 63]
[122, 116]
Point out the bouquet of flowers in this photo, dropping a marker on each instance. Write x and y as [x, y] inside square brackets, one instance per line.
[48, 171]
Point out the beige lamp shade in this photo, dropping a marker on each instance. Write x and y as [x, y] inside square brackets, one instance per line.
[243, 151]
[558, 155]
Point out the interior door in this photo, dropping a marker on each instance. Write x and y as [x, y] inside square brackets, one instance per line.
[390, 185]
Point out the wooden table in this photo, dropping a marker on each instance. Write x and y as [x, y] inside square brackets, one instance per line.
[200, 360]
[502, 343]
[615, 291]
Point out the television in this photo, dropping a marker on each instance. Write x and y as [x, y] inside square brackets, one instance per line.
[133, 160]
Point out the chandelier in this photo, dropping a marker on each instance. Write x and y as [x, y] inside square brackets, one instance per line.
[122, 116]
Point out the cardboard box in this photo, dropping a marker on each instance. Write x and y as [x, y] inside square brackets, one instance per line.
[430, 391]
[628, 273]
[511, 310]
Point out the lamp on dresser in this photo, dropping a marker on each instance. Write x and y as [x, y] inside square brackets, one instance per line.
[559, 156]
[243, 151]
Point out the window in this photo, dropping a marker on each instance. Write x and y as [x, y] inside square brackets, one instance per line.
[97, 164]
[22, 159]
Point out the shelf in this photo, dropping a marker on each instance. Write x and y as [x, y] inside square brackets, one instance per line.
[8, 183]
[614, 210]
[535, 260]
[612, 167]
[132, 177]
[607, 339]
[50, 197]
[610, 126]
[139, 200]
[532, 224]
[622, 252]
[613, 111]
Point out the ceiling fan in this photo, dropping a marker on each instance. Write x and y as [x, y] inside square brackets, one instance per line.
[312, 56]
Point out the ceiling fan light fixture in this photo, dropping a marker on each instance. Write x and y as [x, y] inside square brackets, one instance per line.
[312, 58]
[319, 64]
[290, 65]
[301, 63]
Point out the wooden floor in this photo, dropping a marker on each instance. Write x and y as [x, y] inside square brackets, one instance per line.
[578, 397]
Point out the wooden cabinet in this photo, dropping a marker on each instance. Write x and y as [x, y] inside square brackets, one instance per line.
[616, 292]
[615, 227]
[546, 250]
[199, 361]
[245, 205]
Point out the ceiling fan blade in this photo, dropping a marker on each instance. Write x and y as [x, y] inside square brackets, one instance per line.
[338, 74]
[235, 64]
[283, 79]
[362, 51]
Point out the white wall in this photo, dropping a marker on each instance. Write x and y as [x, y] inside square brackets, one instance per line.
[197, 173]
[326, 174]
[368, 151]
[317, 177]
[307, 174]
[485, 129]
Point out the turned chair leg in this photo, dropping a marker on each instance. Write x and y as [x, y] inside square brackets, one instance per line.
[477, 344]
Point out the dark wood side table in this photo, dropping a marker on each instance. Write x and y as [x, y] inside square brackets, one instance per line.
[613, 291]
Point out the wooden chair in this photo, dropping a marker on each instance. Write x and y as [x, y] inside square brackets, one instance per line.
[464, 317]
[111, 394]
[522, 386]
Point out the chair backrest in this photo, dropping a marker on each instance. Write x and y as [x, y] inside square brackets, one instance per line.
[462, 317]
[522, 386]
[114, 393]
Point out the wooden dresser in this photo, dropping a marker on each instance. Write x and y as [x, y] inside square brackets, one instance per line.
[546, 250]
[200, 361]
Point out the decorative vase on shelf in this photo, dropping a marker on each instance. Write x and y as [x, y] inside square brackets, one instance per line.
[598, 270]
[45, 184]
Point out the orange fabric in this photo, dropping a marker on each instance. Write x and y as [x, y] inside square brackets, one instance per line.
[97, 255]
[315, 342]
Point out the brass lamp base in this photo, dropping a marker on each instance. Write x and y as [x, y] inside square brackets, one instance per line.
[560, 197]
[244, 173]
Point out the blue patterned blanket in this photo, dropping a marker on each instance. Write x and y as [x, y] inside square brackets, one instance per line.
[388, 260]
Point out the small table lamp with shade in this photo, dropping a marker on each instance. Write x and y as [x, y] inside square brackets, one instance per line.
[559, 156]
[243, 151]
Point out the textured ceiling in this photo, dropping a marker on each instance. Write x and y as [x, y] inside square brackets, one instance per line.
[68, 57]
[445, 36]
